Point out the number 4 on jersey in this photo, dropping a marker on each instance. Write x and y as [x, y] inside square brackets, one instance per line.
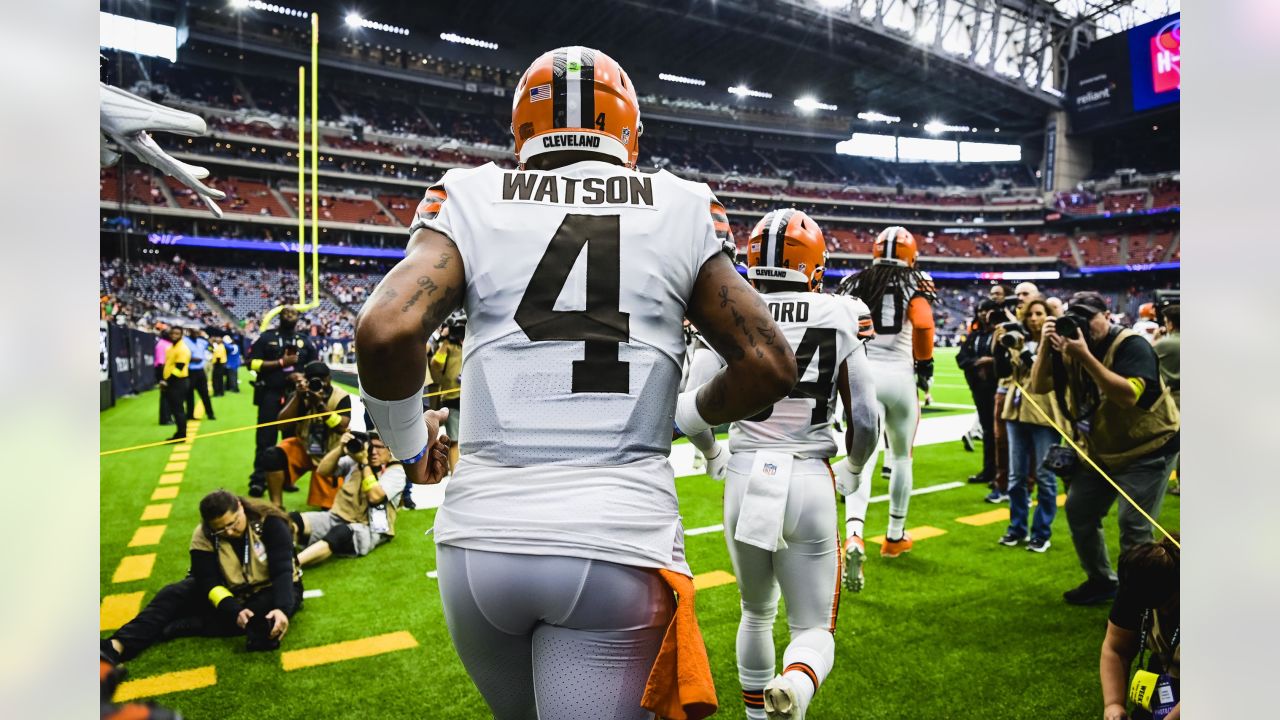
[602, 325]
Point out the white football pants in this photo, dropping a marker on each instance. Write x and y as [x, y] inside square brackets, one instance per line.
[900, 416]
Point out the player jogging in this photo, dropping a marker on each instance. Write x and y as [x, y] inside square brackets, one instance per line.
[559, 539]
[901, 353]
[780, 517]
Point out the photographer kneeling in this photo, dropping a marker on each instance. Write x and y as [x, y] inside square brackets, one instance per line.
[244, 580]
[364, 511]
[1107, 381]
[313, 437]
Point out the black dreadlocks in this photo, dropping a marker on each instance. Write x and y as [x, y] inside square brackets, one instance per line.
[871, 284]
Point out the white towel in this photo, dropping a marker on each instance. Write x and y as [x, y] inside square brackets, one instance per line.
[765, 502]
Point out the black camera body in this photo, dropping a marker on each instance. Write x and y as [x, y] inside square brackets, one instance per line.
[357, 442]
[1013, 334]
[1068, 327]
[315, 384]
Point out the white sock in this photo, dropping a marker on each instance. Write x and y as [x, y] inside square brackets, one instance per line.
[855, 504]
[755, 654]
[899, 496]
[807, 662]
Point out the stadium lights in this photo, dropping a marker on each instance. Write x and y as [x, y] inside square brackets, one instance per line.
[356, 21]
[268, 7]
[873, 116]
[809, 104]
[461, 40]
[744, 91]
[681, 79]
[934, 127]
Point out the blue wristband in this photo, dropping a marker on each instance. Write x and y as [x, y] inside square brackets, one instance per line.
[416, 458]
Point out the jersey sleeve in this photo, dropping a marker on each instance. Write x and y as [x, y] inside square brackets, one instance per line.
[866, 329]
[920, 313]
[724, 234]
[434, 210]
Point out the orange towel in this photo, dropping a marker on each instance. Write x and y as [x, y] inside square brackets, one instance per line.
[680, 685]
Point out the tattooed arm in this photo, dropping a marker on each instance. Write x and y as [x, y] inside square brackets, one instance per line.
[393, 326]
[761, 369]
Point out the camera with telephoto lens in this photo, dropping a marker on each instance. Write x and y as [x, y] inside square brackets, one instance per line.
[357, 442]
[1013, 336]
[315, 384]
[1068, 327]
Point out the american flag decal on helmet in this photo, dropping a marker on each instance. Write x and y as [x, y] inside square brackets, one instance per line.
[542, 92]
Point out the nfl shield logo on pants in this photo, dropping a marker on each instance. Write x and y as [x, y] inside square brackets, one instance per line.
[770, 469]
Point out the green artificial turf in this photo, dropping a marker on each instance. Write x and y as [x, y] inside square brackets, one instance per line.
[959, 628]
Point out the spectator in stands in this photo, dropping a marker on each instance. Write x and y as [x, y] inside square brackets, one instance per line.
[1144, 617]
[173, 379]
[199, 380]
[312, 437]
[162, 347]
[233, 363]
[218, 358]
[244, 580]
[1031, 433]
[1107, 380]
[275, 354]
[977, 360]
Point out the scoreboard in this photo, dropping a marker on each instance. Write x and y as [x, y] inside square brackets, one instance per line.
[1126, 74]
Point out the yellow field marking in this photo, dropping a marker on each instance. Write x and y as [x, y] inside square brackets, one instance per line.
[148, 535]
[119, 609]
[134, 567]
[198, 411]
[175, 467]
[986, 518]
[165, 493]
[924, 532]
[171, 478]
[715, 578]
[156, 512]
[176, 456]
[167, 683]
[349, 650]
[1062, 500]
[183, 448]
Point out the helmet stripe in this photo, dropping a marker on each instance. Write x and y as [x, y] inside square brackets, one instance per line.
[780, 234]
[573, 87]
[558, 90]
[588, 81]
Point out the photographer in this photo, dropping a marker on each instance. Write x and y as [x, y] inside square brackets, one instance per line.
[274, 355]
[1144, 618]
[364, 512]
[1107, 380]
[446, 375]
[977, 361]
[312, 438]
[244, 580]
[1030, 433]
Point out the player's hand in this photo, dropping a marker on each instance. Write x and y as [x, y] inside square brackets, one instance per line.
[438, 459]
[125, 118]
[1114, 711]
[244, 617]
[718, 462]
[846, 478]
[431, 467]
[279, 623]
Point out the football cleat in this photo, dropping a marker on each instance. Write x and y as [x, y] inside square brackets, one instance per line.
[894, 548]
[855, 555]
[781, 702]
[787, 245]
[894, 246]
[576, 98]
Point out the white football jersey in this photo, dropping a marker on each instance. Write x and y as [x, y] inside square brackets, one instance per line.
[577, 281]
[893, 340]
[823, 331]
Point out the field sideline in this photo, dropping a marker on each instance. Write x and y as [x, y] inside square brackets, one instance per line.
[960, 628]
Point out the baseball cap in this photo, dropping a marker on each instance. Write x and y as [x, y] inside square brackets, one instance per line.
[315, 368]
[1086, 304]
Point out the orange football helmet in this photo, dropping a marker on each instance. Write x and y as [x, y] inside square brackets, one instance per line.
[576, 98]
[787, 245]
[1147, 311]
[894, 246]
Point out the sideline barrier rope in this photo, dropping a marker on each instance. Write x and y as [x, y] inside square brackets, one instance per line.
[1080, 451]
[216, 433]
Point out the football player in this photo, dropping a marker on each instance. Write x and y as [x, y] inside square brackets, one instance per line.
[901, 300]
[780, 518]
[559, 540]
[1146, 326]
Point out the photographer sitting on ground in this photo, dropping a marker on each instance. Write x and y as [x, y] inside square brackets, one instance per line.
[1144, 618]
[364, 511]
[244, 580]
[1030, 433]
[1107, 380]
[312, 437]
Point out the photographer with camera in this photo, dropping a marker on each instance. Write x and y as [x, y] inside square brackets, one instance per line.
[1030, 433]
[363, 515]
[977, 361]
[446, 375]
[274, 355]
[1144, 618]
[244, 580]
[1107, 381]
[312, 438]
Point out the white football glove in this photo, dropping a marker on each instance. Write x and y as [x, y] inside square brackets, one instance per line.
[718, 462]
[846, 477]
[125, 118]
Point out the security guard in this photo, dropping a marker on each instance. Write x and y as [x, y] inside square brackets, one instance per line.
[273, 356]
[173, 379]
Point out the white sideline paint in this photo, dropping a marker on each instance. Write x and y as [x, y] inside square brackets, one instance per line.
[308, 594]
